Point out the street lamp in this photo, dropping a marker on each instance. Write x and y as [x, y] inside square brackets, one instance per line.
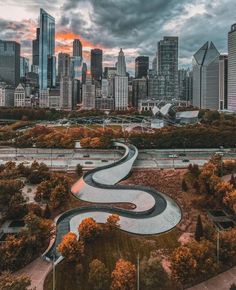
[53, 273]
[138, 274]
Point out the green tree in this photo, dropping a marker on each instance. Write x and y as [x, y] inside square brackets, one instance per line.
[199, 229]
[99, 278]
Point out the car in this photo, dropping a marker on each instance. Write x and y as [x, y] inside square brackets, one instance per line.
[185, 160]
[182, 154]
[61, 155]
[86, 155]
[88, 162]
[173, 155]
[104, 160]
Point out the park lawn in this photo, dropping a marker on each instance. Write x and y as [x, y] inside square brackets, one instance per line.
[109, 250]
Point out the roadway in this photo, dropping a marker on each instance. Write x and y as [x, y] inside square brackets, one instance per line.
[148, 158]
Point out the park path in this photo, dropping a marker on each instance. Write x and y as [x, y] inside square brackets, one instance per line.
[37, 271]
[222, 281]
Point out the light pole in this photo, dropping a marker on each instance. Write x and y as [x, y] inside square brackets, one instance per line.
[218, 246]
[53, 273]
[138, 276]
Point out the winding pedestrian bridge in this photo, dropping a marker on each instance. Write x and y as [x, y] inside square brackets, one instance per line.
[153, 212]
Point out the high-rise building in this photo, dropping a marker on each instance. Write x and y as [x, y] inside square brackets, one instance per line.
[109, 71]
[77, 48]
[96, 64]
[84, 72]
[121, 65]
[141, 66]
[47, 64]
[232, 68]
[121, 93]
[168, 66]
[206, 77]
[88, 93]
[66, 101]
[10, 62]
[139, 90]
[63, 65]
[76, 67]
[22, 96]
[6, 95]
[185, 84]
[35, 49]
[24, 66]
[152, 84]
[154, 63]
[223, 82]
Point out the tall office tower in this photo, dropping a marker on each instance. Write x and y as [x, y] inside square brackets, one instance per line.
[76, 92]
[182, 75]
[223, 82]
[121, 93]
[10, 62]
[232, 68]
[35, 49]
[64, 65]
[206, 77]
[139, 91]
[185, 84]
[77, 48]
[66, 93]
[141, 66]
[168, 66]
[121, 66]
[47, 65]
[84, 72]
[154, 63]
[152, 84]
[76, 67]
[6, 95]
[24, 66]
[88, 94]
[189, 86]
[96, 64]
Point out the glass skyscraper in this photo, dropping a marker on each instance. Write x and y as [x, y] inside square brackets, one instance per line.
[47, 64]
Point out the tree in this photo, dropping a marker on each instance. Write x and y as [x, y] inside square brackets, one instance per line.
[152, 274]
[233, 287]
[123, 276]
[113, 221]
[47, 212]
[184, 185]
[58, 195]
[79, 170]
[70, 248]
[98, 276]
[89, 229]
[199, 229]
[9, 281]
[196, 186]
[230, 200]
[228, 245]
[232, 181]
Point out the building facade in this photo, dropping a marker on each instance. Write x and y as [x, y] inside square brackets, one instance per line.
[47, 64]
[66, 93]
[77, 48]
[10, 62]
[152, 84]
[232, 68]
[88, 94]
[139, 90]
[35, 49]
[223, 82]
[141, 66]
[64, 65]
[96, 64]
[206, 77]
[6, 95]
[168, 66]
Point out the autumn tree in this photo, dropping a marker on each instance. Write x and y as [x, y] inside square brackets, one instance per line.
[230, 200]
[89, 229]
[79, 170]
[99, 278]
[199, 229]
[58, 195]
[123, 276]
[184, 185]
[47, 212]
[38, 173]
[228, 245]
[9, 281]
[113, 221]
[70, 248]
[152, 274]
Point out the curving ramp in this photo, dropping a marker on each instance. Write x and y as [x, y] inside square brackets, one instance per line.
[152, 213]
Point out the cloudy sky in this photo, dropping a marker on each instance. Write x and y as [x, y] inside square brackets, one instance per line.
[134, 25]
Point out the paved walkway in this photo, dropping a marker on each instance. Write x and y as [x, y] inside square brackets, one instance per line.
[222, 281]
[37, 271]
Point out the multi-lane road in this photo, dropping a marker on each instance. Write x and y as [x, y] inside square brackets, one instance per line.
[149, 158]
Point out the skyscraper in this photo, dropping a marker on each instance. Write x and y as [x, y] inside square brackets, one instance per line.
[141, 66]
[47, 65]
[84, 72]
[121, 93]
[96, 64]
[88, 93]
[152, 84]
[223, 82]
[77, 48]
[139, 90]
[121, 66]
[232, 68]
[10, 62]
[206, 77]
[24, 66]
[35, 49]
[66, 93]
[168, 66]
[63, 65]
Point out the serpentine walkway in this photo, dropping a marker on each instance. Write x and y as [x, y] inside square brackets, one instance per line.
[154, 212]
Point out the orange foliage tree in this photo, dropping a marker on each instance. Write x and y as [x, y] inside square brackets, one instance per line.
[123, 276]
[89, 229]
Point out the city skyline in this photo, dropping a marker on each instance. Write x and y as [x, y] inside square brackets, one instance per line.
[131, 25]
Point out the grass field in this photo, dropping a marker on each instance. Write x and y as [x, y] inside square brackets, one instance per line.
[109, 250]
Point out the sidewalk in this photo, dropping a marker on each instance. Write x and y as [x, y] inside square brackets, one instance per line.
[222, 281]
[37, 271]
